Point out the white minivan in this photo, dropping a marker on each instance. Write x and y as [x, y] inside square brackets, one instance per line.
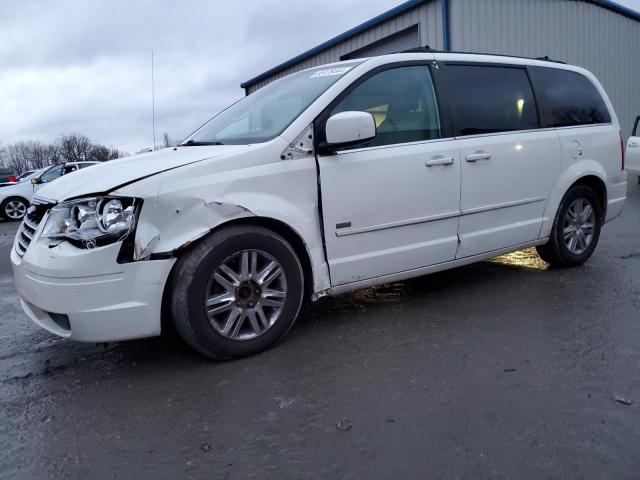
[328, 180]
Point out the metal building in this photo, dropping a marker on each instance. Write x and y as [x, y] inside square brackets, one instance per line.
[599, 35]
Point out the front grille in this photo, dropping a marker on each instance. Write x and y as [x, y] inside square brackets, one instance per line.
[39, 207]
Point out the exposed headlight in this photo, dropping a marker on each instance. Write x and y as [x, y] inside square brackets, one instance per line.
[92, 221]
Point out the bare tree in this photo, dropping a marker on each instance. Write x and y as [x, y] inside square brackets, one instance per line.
[54, 154]
[75, 147]
[100, 153]
[18, 157]
[3, 157]
[30, 154]
[37, 154]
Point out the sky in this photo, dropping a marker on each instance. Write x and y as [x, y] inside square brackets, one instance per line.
[85, 66]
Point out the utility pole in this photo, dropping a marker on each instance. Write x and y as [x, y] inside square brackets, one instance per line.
[153, 104]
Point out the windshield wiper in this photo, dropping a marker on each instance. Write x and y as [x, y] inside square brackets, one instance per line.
[192, 143]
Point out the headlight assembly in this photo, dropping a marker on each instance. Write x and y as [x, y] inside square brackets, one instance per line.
[92, 221]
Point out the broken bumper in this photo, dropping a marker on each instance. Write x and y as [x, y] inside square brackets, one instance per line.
[86, 295]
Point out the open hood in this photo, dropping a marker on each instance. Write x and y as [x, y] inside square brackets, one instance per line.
[110, 175]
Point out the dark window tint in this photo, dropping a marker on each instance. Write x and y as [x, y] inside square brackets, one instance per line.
[567, 98]
[490, 99]
[402, 102]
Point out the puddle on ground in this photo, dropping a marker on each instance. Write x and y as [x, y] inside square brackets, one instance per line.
[528, 259]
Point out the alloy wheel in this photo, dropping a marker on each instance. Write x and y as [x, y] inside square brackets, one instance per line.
[15, 209]
[578, 226]
[246, 295]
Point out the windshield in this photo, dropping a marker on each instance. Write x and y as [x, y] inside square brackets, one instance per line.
[265, 114]
[25, 175]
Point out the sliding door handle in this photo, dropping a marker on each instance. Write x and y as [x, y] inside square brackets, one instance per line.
[474, 157]
[439, 161]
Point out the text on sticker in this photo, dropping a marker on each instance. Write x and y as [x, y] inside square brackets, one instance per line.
[330, 72]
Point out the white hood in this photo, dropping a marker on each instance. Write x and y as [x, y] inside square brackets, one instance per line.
[109, 175]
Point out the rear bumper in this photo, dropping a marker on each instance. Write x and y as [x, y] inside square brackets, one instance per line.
[616, 196]
[124, 302]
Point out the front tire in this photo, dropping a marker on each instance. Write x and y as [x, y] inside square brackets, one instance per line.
[576, 229]
[238, 292]
[14, 208]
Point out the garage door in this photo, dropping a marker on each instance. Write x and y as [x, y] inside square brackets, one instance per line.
[403, 40]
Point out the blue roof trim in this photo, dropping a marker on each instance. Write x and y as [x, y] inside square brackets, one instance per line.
[336, 40]
[608, 4]
[616, 7]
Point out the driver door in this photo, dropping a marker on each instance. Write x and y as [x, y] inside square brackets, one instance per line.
[391, 204]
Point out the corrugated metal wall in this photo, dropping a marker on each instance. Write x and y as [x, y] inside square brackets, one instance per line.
[404, 40]
[574, 31]
[428, 16]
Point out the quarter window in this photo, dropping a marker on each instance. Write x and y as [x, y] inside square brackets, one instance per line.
[402, 102]
[487, 99]
[567, 98]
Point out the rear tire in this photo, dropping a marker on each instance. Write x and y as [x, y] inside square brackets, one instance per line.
[237, 293]
[14, 208]
[576, 229]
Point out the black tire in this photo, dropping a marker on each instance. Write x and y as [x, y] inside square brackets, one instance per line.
[4, 212]
[189, 286]
[556, 252]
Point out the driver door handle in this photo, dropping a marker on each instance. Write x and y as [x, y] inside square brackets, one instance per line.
[439, 161]
[474, 157]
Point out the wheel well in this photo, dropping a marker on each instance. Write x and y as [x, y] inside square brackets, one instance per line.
[598, 186]
[282, 229]
[15, 197]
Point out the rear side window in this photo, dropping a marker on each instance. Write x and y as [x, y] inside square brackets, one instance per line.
[487, 99]
[567, 98]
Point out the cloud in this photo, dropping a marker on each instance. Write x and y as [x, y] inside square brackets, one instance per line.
[75, 66]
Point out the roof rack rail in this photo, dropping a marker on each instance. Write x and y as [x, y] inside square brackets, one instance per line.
[428, 49]
[425, 49]
[547, 59]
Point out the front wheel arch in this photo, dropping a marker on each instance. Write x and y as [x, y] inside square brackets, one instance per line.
[276, 226]
[186, 280]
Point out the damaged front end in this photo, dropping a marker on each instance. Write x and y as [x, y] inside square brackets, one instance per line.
[191, 220]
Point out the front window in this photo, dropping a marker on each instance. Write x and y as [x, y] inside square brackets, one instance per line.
[52, 174]
[266, 113]
[403, 103]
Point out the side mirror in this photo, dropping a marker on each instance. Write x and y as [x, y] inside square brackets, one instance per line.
[36, 181]
[348, 128]
[634, 133]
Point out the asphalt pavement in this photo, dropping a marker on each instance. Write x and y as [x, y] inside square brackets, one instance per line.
[503, 369]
